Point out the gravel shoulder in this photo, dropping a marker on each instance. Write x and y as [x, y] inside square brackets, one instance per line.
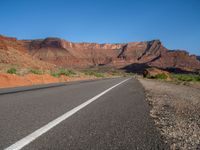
[176, 112]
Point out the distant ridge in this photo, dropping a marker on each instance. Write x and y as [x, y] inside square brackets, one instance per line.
[55, 51]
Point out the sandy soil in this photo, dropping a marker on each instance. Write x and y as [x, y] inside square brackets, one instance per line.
[176, 112]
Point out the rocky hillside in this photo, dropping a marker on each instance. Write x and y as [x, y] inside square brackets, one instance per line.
[63, 53]
[14, 53]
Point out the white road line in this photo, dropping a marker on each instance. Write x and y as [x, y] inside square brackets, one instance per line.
[31, 137]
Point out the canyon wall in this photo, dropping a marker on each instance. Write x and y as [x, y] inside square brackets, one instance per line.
[55, 51]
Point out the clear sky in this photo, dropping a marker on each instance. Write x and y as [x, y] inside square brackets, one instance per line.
[175, 22]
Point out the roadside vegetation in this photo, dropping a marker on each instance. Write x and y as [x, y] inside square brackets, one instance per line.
[186, 77]
[177, 77]
[63, 72]
[24, 71]
[12, 71]
[92, 72]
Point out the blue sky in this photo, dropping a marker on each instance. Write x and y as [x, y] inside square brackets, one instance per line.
[175, 22]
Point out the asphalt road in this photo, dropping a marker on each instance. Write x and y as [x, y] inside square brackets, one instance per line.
[99, 115]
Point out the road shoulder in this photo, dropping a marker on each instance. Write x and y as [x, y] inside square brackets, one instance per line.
[175, 110]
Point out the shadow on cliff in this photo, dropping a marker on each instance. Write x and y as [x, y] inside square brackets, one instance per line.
[179, 71]
[140, 68]
[136, 68]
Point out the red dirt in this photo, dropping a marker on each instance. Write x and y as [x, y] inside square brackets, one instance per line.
[12, 80]
[8, 80]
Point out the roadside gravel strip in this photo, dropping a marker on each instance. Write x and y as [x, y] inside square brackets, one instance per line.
[176, 112]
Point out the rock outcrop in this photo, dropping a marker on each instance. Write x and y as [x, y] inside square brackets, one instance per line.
[156, 73]
[63, 53]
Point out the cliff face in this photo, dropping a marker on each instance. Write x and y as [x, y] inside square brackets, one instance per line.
[82, 55]
[66, 53]
[177, 59]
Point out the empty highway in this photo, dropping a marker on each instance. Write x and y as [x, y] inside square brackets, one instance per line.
[108, 114]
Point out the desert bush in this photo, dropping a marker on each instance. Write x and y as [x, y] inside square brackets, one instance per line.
[12, 71]
[63, 72]
[161, 76]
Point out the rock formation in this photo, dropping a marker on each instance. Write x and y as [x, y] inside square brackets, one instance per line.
[63, 53]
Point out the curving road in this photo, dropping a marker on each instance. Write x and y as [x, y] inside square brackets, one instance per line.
[99, 115]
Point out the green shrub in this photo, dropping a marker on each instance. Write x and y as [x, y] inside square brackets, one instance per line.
[66, 72]
[99, 75]
[161, 76]
[198, 78]
[12, 71]
[55, 74]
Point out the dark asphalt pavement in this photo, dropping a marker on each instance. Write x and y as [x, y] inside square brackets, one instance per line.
[117, 120]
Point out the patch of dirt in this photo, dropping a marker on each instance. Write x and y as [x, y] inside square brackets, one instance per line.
[176, 112]
[12, 80]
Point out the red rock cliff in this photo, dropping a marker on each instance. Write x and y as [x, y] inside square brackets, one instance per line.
[81, 55]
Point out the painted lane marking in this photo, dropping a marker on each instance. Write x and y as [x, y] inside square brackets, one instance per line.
[31, 137]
